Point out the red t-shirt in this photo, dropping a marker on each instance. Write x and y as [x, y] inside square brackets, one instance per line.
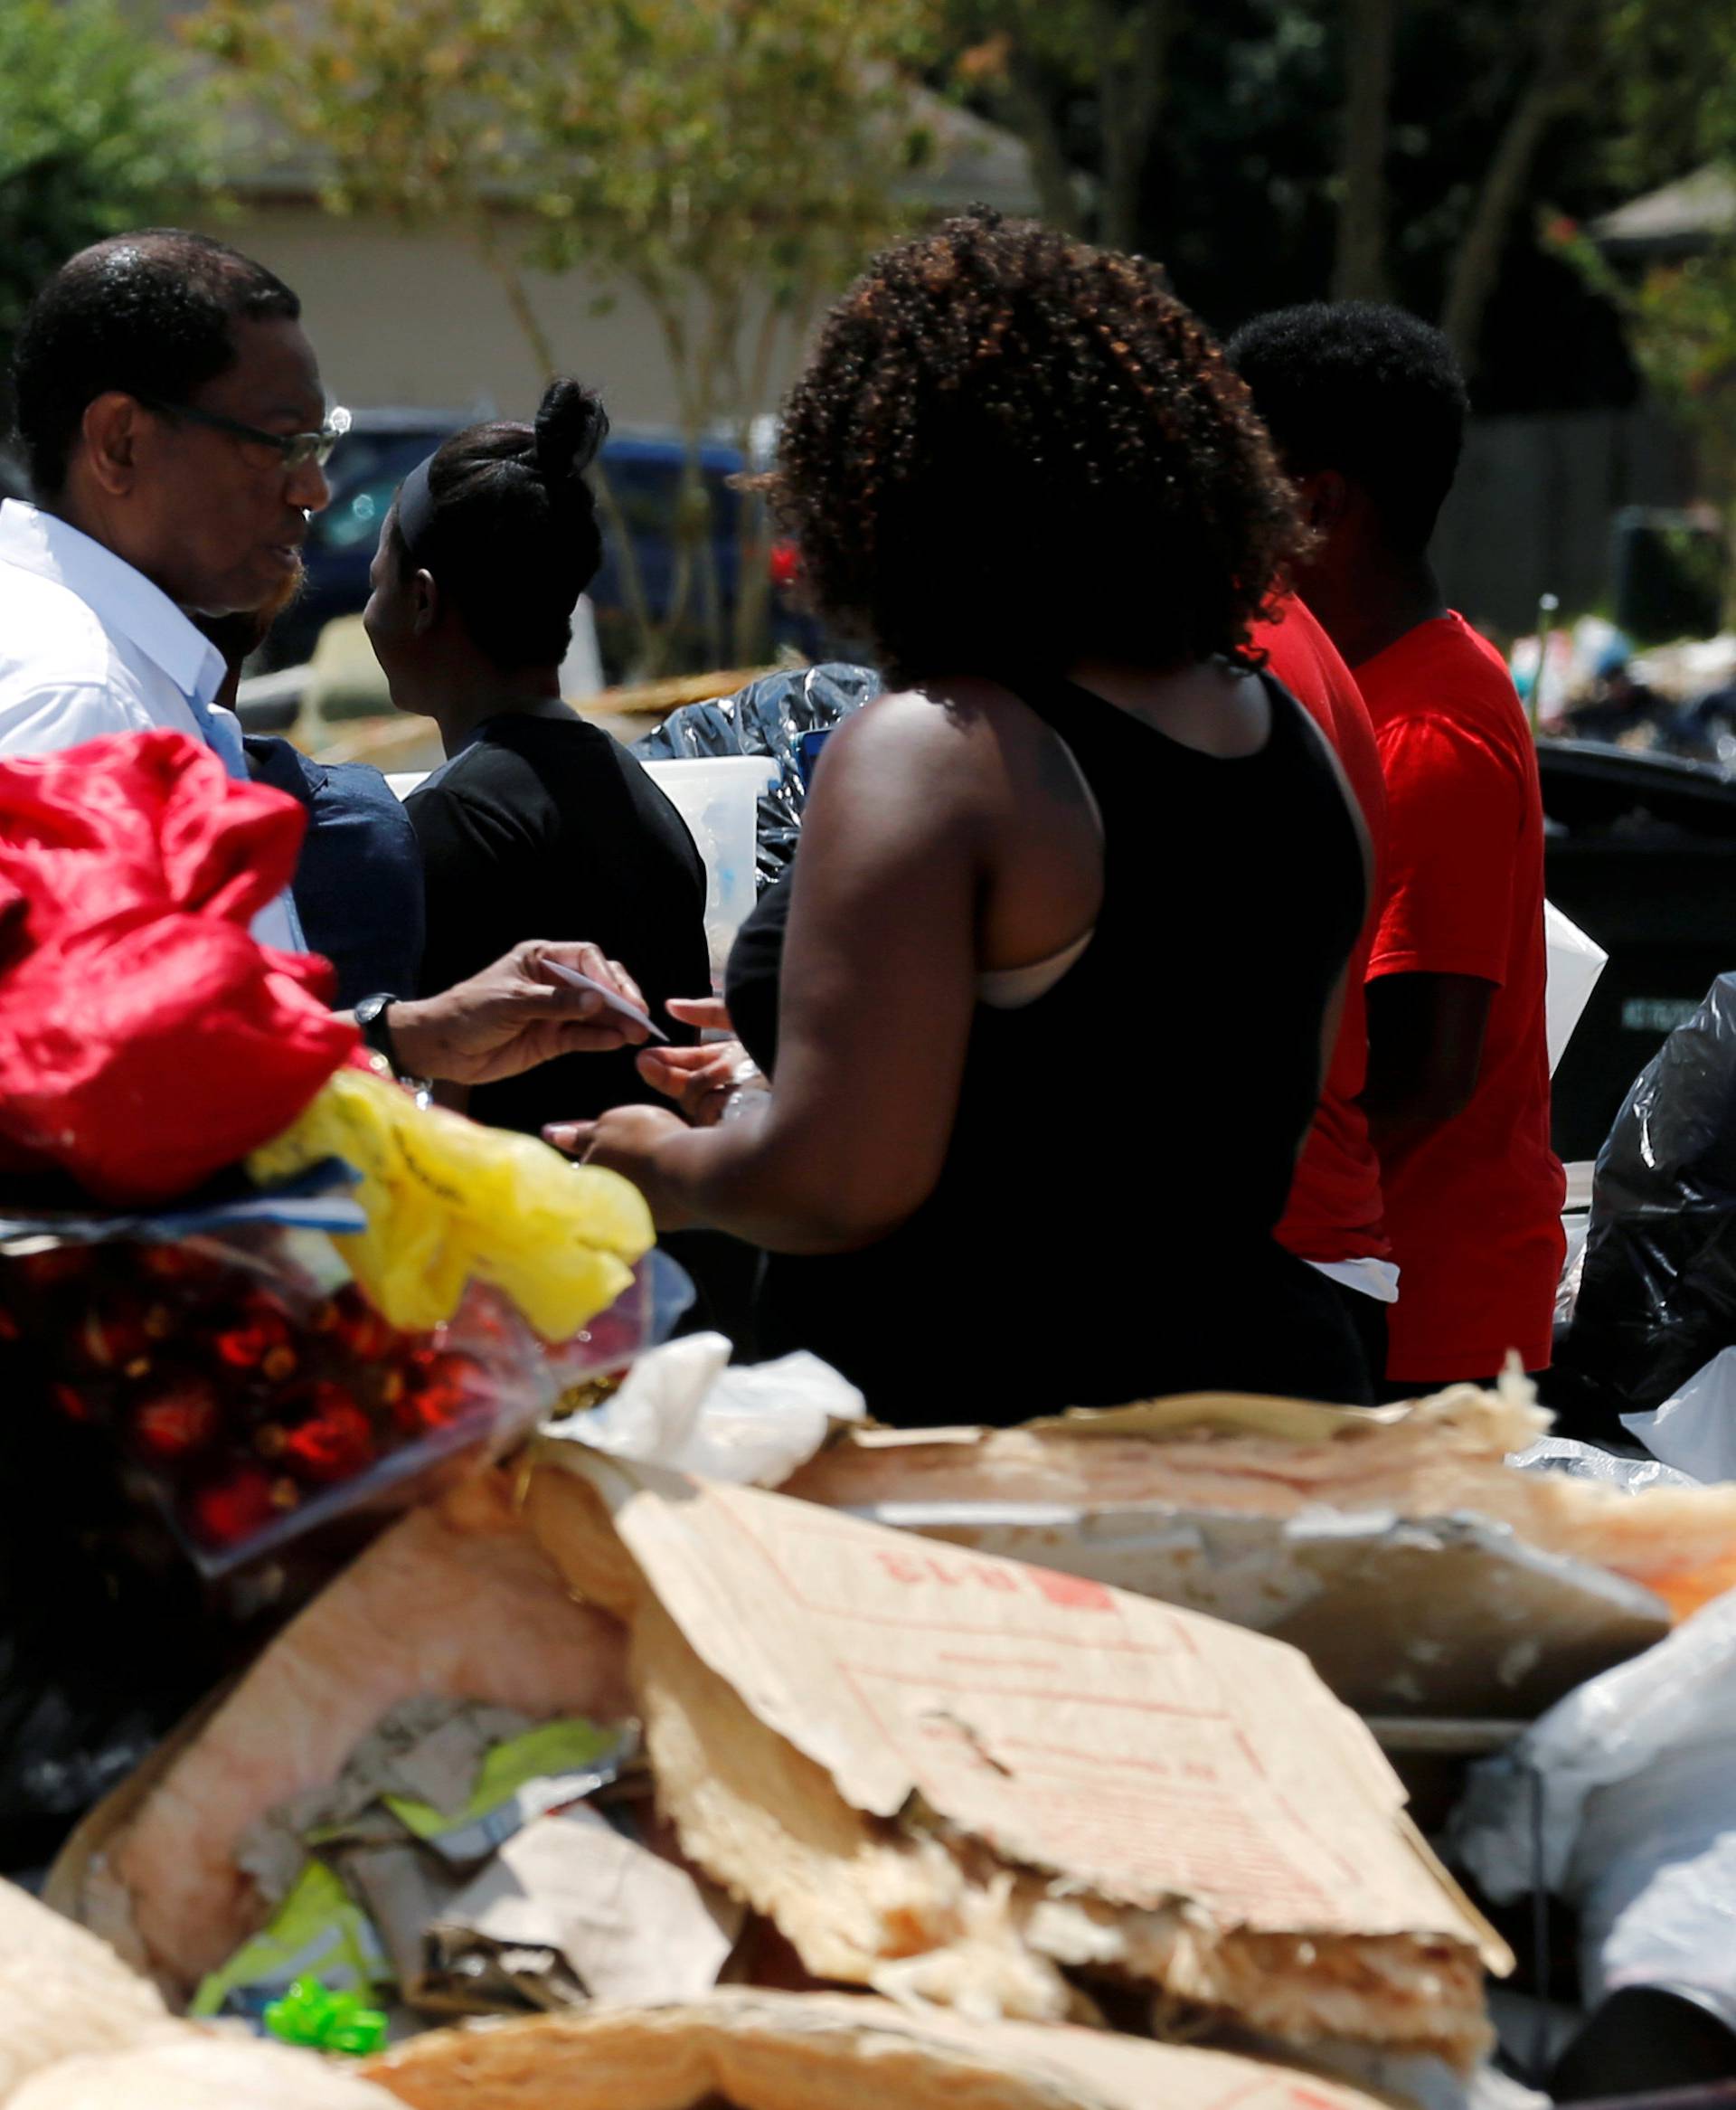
[1475, 1212]
[1334, 1211]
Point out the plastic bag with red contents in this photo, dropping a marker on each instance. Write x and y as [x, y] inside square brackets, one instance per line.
[246, 1389]
[146, 1040]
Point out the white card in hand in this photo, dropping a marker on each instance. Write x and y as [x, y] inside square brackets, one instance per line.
[572, 976]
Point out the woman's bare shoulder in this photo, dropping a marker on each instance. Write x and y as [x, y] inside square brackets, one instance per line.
[937, 749]
[944, 717]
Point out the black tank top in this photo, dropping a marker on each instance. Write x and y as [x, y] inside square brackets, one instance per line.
[1101, 1231]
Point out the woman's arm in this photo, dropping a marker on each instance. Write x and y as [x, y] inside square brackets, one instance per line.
[878, 988]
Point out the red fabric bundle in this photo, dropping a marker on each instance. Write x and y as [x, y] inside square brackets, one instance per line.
[146, 1040]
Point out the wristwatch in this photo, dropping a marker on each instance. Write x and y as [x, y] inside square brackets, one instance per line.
[376, 1028]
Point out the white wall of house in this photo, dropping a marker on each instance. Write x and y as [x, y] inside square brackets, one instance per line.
[414, 319]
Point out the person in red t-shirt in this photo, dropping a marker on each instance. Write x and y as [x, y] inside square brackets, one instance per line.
[1368, 407]
[1335, 1220]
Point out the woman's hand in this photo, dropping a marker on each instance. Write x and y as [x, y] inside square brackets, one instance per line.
[513, 1016]
[703, 1080]
[628, 1139]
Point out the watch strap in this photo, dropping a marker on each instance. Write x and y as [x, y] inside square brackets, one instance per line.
[373, 1021]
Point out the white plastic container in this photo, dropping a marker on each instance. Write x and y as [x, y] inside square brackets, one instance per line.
[718, 796]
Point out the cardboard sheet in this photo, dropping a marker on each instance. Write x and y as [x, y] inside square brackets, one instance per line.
[1147, 1474]
[1129, 1748]
[1439, 1616]
[789, 2051]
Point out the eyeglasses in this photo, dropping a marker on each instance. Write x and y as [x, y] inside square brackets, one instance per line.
[299, 450]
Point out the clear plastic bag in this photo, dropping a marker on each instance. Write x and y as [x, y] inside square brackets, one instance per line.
[1627, 1476]
[1695, 1430]
[249, 1389]
[770, 716]
[1622, 1798]
[688, 1407]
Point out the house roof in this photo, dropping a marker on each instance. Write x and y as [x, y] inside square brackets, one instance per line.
[1676, 220]
[974, 162]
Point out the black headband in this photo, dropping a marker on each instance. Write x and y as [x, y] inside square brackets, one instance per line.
[415, 508]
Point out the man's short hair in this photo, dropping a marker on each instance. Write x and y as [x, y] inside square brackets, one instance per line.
[146, 314]
[1368, 390]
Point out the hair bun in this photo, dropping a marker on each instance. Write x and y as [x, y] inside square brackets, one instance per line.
[571, 425]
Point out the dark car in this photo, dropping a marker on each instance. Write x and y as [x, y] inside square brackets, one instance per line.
[645, 479]
[1641, 855]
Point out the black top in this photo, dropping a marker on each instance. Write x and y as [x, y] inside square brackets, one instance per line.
[358, 887]
[1102, 1227]
[547, 828]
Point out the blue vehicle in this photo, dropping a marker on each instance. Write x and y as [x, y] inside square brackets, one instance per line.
[645, 477]
[366, 468]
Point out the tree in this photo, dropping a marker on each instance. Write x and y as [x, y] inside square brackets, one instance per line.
[730, 161]
[1359, 271]
[1555, 69]
[1028, 60]
[95, 138]
[1681, 320]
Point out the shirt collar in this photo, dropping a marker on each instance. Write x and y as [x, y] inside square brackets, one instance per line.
[123, 599]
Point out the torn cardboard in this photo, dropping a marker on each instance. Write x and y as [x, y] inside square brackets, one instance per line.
[1450, 1616]
[81, 2031]
[953, 1774]
[194, 2070]
[452, 1601]
[1206, 1460]
[789, 2051]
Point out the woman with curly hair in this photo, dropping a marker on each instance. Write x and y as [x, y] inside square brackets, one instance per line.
[1067, 933]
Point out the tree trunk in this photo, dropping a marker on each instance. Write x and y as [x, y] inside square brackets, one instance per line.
[1478, 262]
[1359, 270]
[1028, 113]
[1131, 53]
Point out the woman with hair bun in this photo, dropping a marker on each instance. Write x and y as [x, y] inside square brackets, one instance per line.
[537, 824]
[1068, 925]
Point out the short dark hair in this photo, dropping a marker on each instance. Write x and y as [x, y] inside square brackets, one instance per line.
[146, 314]
[513, 540]
[1365, 389]
[1009, 449]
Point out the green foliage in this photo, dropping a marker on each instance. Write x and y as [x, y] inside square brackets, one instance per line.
[1681, 318]
[734, 162]
[1671, 67]
[95, 137]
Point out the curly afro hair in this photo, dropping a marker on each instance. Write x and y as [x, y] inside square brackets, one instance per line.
[1365, 389]
[1011, 450]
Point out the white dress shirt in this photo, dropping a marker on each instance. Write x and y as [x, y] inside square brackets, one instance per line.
[88, 646]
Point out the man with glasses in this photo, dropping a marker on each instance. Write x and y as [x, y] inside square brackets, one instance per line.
[175, 430]
[175, 427]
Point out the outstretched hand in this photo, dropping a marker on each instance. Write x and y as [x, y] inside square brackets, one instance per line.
[513, 1016]
[700, 1080]
[628, 1140]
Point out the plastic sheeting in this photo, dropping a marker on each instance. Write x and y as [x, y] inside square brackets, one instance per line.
[770, 716]
[1657, 1294]
[1695, 1430]
[1634, 1822]
[1627, 1476]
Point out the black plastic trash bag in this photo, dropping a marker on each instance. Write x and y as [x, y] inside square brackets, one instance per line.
[770, 716]
[1657, 1300]
[106, 1638]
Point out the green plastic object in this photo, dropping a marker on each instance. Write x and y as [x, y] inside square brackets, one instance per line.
[318, 1933]
[325, 2021]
